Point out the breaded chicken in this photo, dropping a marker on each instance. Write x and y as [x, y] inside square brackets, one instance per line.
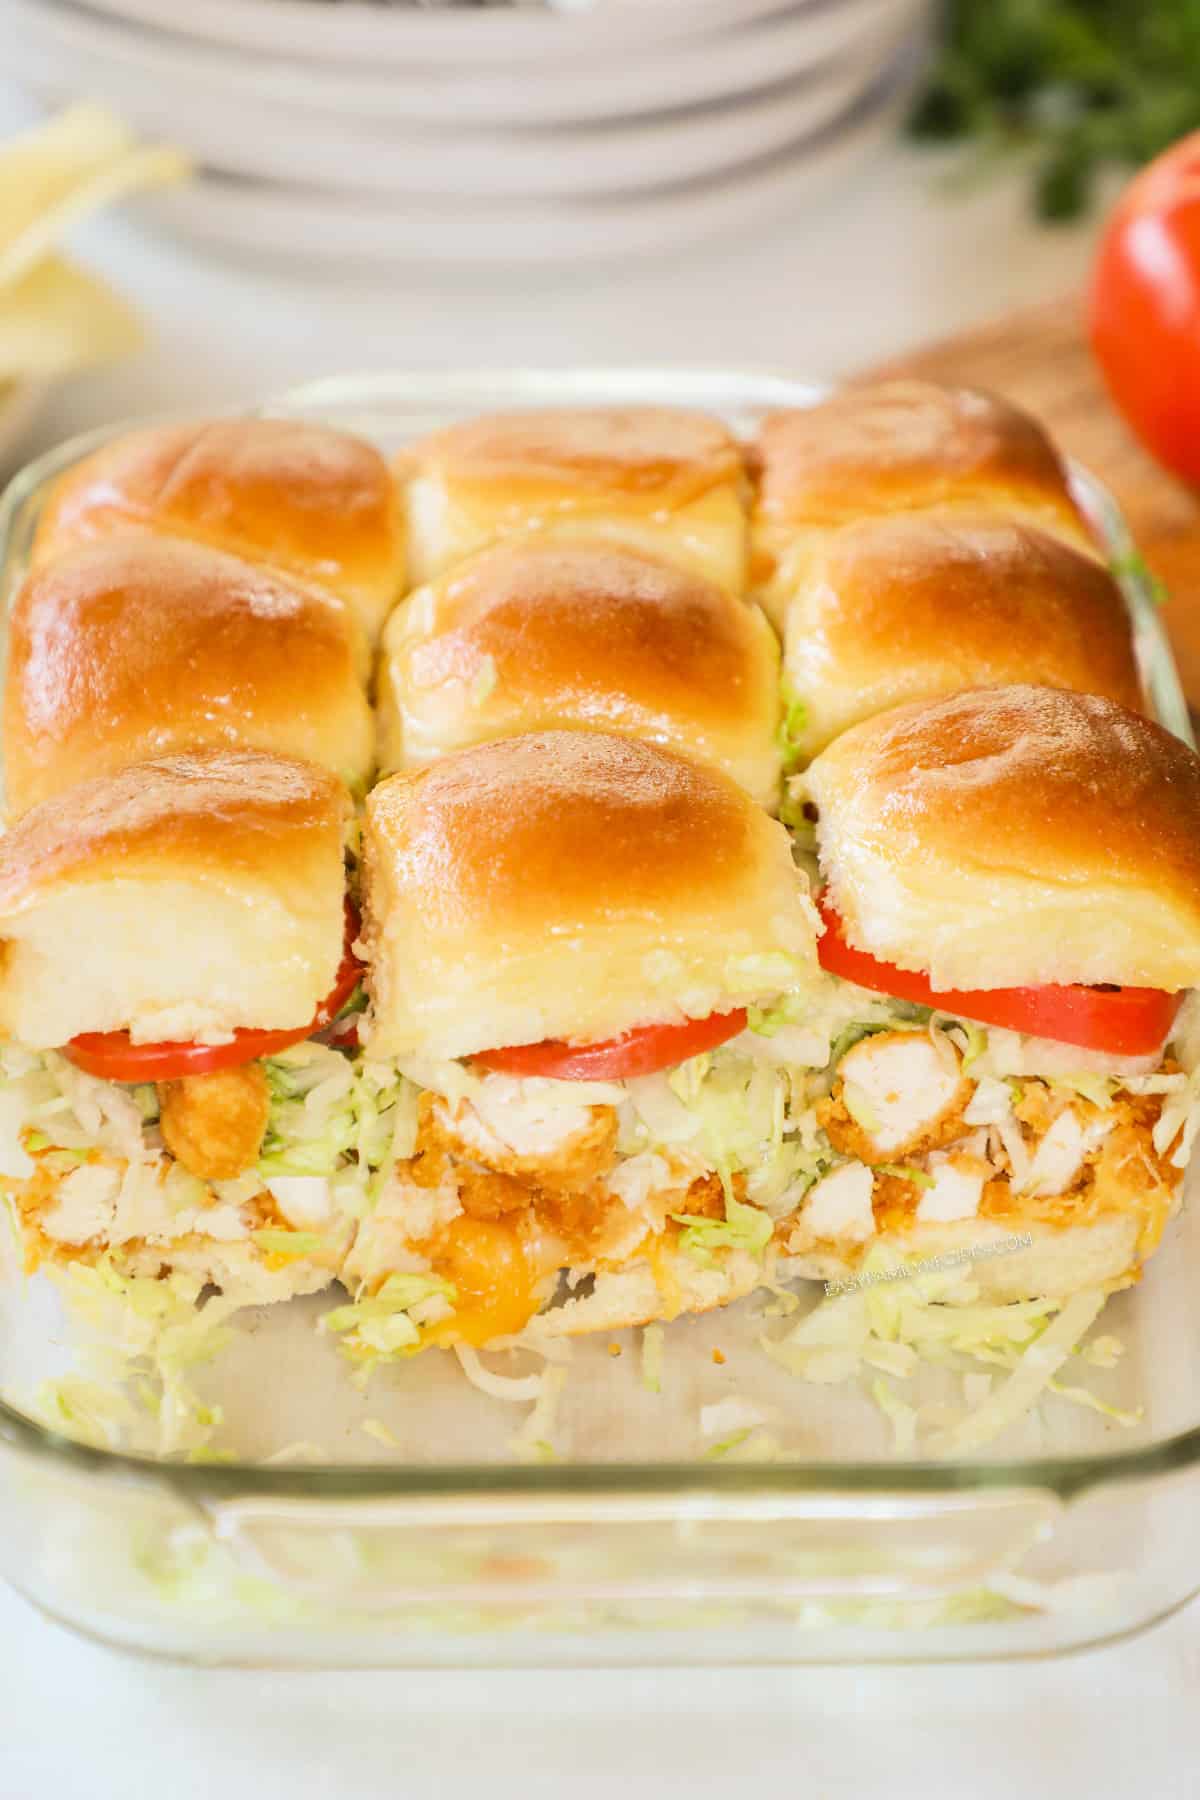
[214, 1124]
[897, 1095]
[558, 1155]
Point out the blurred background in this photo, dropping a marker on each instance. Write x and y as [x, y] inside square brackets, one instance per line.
[715, 181]
[241, 194]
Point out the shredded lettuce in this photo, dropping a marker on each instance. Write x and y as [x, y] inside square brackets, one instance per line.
[1096, 1088]
[333, 1117]
[903, 1417]
[349, 1119]
[46, 1102]
[375, 1428]
[792, 725]
[386, 1325]
[852, 1034]
[514, 1390]
[1178, 1124]
[767, 1020]
[1103, 1352]
[147, 1335]
[733, 1112]
[1081, 1396]
[310, 1128]
[288, 1243]
[899, 1318]
[731, 1414]
[652, 1358]
[1030, 1375]
[723, 1448]
[743, 1228]
[754, 1447]
[301, 1450]
[906, 1172]
[534, 1442]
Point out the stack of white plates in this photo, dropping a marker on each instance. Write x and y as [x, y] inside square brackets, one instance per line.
[406, 132]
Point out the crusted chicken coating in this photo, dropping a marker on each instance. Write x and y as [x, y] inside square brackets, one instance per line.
[897, 1095]
[1116, 1171]
[571, 1224]
[214, 1124]
[557, 1164]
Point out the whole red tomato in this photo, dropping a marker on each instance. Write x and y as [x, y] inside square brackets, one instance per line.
[1145, 307]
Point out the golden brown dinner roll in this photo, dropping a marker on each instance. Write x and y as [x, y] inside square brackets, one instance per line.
[899, 446]
[570, 884]
[182, 898]
[128, 649]
[1010, 837]
[541, 633]
[666, 479]
[314, 502]
[919, 604]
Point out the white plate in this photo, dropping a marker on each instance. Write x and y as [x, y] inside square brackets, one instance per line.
[276, 222]
[298, 148]
[354, 31]
[663, 78]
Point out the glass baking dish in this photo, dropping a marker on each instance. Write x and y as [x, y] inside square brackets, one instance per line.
[415, 1533]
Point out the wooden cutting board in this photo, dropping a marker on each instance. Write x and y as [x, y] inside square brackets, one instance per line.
[1039, 358]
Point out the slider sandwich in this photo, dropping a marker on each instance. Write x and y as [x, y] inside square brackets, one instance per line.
[315, 503]
[1011, 920]
[909, 606]
[539, 632]
[662, 479]
[571, 938]
[139, 646]
[894, 448]
[629, 1094]
[176, 964]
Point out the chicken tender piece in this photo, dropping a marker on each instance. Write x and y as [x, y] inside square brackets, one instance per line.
[836, 1209]
[898, 1094]
[561, 1151]
[484, 1194]
[214, 1124]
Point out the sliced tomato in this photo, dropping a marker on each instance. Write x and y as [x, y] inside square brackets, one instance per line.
[639, 1052]
[1122, 1021]
[110, 1055]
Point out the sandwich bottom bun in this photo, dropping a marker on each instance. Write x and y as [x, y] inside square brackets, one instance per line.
[643, 1294]
[241, 1272]
[1002, 1262]
[1043, 1262]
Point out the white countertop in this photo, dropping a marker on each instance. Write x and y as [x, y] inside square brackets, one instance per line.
[885, 261]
